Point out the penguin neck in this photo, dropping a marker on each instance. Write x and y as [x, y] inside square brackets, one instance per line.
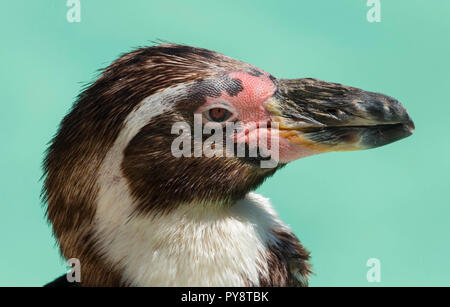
[192, 245]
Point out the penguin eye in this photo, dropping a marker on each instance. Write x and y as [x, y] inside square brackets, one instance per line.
[219, 114]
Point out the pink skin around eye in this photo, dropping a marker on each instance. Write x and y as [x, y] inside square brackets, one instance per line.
[249, 104]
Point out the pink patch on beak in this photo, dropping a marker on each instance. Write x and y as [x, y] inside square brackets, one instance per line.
[255, 91]
[280, 149]
[249, 104]
[290, 152]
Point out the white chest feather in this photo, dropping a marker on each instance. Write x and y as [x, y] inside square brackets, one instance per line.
[191, 246]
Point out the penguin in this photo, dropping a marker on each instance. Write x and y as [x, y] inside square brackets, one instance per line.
[136, 212]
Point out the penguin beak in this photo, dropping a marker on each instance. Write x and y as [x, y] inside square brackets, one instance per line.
[322, 117]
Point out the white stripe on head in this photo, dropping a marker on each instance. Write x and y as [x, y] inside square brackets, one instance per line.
[147, 109]
[114, 202]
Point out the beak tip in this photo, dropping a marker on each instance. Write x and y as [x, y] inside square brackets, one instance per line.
[408, 123]
[411, 127]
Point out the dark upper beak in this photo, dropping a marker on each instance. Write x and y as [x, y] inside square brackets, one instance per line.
[327, 116]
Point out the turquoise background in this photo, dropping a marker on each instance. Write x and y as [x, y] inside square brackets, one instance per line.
[391, 203]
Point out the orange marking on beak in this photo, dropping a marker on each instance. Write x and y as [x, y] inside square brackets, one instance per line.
[295, 137]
